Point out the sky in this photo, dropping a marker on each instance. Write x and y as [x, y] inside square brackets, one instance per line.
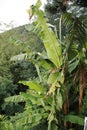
[15, 11]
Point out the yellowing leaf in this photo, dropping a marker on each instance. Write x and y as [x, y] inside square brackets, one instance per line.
[29, 11]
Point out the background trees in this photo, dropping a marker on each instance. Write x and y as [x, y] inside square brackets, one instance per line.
[14, 42]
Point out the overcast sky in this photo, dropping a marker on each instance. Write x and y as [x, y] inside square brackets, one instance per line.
[15, 10]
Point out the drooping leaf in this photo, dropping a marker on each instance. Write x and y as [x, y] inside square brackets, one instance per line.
[74, 119]
[56, 76]
[16, 98]
[73, 65]
[32, 97]
[33, 85]
[45, 64]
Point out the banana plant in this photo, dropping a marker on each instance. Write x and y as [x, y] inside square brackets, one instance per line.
[45, 91]
[45, 97]
[52, 62]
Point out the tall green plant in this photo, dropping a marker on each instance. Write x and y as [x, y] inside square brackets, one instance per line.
[55, 68]
[44, 99]
[54, 55]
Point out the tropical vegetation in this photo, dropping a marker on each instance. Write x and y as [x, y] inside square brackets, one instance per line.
[43, 82]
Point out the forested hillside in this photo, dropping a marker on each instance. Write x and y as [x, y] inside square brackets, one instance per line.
[14, 42]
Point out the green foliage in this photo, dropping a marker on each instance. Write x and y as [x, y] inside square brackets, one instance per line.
[40, 105]
[50, 41]
[73, 32]
[59, 100]
[85, 104]
[17, 39]
[52, 74]
[35, 111]
[7, 88]
[73, 65]
[37, 103]
[74, 119]
[22, 70]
